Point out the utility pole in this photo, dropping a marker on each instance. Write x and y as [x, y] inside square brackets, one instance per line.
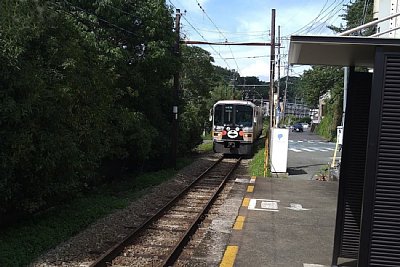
[272, 72]
[174, 135]
[271, 96]
[278, 111]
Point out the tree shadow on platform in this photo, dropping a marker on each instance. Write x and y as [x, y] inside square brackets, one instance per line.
[296, 171]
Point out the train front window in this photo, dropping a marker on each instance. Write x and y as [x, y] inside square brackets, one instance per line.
[228, 114]
[244, 115]
[218, 115]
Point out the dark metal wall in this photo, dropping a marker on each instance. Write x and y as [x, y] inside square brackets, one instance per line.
[380, 230]
[351, 184]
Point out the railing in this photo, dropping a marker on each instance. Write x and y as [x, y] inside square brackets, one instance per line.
[369, 24]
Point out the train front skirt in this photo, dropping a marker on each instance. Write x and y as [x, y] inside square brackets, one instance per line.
[233, 147]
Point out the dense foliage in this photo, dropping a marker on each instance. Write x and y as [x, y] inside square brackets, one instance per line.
[86, 93]
[318, 81]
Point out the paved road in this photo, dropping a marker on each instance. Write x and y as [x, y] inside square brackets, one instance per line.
[309, 155]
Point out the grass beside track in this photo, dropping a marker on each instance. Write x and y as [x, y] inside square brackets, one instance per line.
[257, 163]
[22, 243]
[256, 167]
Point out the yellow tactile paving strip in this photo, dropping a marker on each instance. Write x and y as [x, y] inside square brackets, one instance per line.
[239, 223]
[231, 251]
[229, 256]
[245, 202]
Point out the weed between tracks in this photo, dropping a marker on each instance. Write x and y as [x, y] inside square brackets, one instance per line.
[23, 242]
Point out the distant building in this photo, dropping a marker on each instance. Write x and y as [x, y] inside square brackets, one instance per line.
[314, 114]
[299, 110]
[322, 105]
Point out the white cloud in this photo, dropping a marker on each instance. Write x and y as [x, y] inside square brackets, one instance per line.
[256, 68]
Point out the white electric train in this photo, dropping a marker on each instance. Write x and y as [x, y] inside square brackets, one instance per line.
[236, 125]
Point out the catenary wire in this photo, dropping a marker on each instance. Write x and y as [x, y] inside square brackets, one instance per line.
[195, 29]
[223, 35]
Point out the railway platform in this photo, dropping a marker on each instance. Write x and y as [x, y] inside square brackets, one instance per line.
[284, 223]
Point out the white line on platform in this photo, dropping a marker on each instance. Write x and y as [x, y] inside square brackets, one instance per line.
[266, 205]
[242, 180]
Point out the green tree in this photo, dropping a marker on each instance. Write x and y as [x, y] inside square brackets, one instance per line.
[81, 83]
[357, 13]
[293, 88]
[318, 81]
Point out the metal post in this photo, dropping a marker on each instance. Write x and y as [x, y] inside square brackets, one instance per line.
[286, 86]
[174, 135]
[278, 111]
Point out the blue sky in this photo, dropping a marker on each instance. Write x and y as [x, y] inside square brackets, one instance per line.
[250, 21]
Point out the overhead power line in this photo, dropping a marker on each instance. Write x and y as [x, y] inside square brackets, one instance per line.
[98, 18]
[227, 43]
[326, 13]
[197, 31]
[223, 35]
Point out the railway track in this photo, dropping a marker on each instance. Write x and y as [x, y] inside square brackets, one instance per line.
[160, 240]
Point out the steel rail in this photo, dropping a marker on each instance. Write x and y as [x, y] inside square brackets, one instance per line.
[174, 255]
[116, 250]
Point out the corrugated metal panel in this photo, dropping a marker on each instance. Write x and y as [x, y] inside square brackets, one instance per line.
[351, 184]
[385, 230]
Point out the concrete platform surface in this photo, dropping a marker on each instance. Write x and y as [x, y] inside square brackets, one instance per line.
[284, 223]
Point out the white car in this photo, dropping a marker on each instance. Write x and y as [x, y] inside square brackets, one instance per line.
[305, 125]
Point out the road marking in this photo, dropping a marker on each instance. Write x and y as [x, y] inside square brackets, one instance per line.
[294, 150]
[314, 265]
[239, 223]
[253, 179]
[309, 150]
[250, 188]
[265, 204]
[246, 202]
[296, 207]
[229, 256]
[300, 141]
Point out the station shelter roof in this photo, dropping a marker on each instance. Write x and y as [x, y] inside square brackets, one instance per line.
[338, 50]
